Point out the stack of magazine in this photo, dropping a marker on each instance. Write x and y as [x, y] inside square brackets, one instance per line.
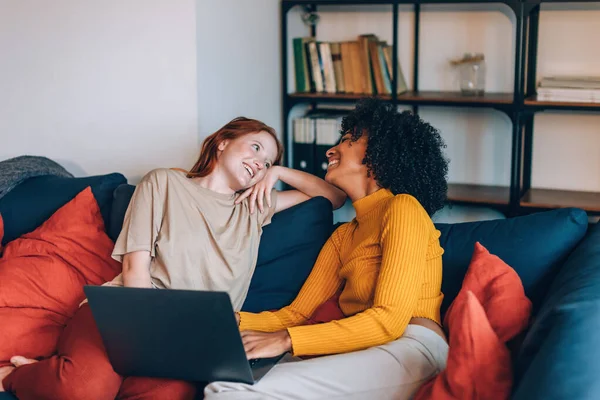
[584, 89]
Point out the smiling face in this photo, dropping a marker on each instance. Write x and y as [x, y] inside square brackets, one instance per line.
[245, 160]
[346, 166]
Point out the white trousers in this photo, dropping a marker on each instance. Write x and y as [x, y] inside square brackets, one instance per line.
[394, 370]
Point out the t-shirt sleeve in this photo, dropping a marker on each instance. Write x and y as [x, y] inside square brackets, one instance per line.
[265, 218]
[143, 218]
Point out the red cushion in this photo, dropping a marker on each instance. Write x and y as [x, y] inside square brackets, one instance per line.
[479, 365]
[43, 274]
[499, 290]
[328, 311]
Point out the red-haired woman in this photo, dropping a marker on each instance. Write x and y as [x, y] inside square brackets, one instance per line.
[198, 230]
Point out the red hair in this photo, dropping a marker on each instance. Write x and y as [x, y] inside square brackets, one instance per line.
[236, 128]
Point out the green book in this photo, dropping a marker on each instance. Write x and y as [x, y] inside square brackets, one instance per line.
[301, 65]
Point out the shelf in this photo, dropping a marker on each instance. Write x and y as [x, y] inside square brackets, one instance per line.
[518, 106]
[478, 194]
[368, 2]
[563, 1]
[426, 98]
[457, 98]
[333, 98]
[535, 104]
[551, 198]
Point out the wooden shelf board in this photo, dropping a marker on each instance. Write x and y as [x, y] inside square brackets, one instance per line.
[333, 97]
[552, 198]
[425, 97]
[457, 97]
[533, 101]
[485, 194]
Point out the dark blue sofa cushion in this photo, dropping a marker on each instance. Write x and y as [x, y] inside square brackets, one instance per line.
[32, 202]
[534, 245]
[559, 355]
[288, 250]
[121, 198]
[289, 247]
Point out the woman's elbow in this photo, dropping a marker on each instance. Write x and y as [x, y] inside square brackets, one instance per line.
[136, 262]
[338, 198]
[392, 327]
[397, 331]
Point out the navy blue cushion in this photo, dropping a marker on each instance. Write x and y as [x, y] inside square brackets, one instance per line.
[7, 396]
[31, 203]
[559, 355]
[289, 247]
[121, 198]
[534, 245]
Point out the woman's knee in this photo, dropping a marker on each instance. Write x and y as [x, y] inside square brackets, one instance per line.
[56, 378]
[84, 389]
[230, 390]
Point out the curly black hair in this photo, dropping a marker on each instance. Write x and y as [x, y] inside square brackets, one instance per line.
[404, 153]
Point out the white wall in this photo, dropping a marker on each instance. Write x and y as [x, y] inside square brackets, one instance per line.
[99, 86]
[131, 85]
[238, 62]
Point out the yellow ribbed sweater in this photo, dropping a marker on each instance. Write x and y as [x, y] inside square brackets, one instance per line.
[389, 262]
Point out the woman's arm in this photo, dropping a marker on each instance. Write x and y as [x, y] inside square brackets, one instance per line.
[404, 242]
[322, 283]
[135, 245]
[136, 269]
[307, 186]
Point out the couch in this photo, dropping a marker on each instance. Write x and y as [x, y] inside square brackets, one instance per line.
[556, 254]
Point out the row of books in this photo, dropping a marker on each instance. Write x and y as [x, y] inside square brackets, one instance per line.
[361, 66]
[570, 88]
[313, 135]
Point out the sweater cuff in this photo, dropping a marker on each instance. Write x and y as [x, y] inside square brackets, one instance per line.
[305, 343]
[263, 322]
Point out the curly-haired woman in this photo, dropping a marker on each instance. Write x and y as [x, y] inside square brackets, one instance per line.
[387, 262]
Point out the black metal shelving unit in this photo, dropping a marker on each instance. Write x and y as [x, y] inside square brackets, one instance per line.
[520, 105]
[533, 199]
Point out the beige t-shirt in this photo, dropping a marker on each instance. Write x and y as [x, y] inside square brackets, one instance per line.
[198, 239]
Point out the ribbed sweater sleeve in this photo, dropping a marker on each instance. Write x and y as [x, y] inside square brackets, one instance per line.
[322, 283]
[404, 241]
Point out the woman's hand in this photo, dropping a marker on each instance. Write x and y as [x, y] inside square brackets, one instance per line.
[261, 190]
[266, 344]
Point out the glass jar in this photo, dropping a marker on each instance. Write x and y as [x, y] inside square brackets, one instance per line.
[471, 72]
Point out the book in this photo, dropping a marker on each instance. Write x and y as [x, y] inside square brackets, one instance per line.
[362, 66]
[329, 79]
[301, 65]
[303, 145]
[316, 66]
[336, 57]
